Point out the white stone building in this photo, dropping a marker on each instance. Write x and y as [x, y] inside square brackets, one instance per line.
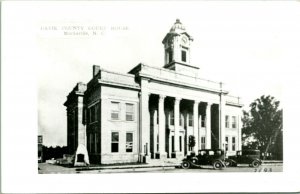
[149, 113]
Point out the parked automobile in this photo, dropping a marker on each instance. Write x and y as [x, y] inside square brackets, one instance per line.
[251, 157]
[216, 158]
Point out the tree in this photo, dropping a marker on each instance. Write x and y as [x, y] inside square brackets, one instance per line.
[262, 124]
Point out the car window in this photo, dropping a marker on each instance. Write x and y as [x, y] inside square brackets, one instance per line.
[211, 153]
[202, 153]
[218, 152]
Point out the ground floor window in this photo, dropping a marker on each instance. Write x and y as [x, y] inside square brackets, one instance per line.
[115, 142]
[129, 142]
[226, 143]
[233, 143]
[180, 143]
[173, 144]
[202, 143]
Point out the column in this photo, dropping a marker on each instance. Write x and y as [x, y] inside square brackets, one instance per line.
[161, 128]
[222, 123]
[144, 126]
[177, 153]
[155, 131]
[196, 125]
[208, 126]
[199, 132]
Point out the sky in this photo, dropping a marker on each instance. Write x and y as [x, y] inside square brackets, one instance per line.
[244, 45]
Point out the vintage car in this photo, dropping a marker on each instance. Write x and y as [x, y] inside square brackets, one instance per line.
[216, 158]
[251, 157]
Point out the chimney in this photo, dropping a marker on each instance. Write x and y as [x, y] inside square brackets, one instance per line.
[96, 70]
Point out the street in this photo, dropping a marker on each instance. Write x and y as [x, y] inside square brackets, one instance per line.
[55, 169]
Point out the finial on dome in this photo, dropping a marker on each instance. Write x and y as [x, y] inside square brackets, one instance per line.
[177, 27]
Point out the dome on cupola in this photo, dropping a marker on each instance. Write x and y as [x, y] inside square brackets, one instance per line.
[177, 27]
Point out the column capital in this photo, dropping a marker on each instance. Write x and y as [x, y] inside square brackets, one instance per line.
[209, 103]
[197, 101]
[178, 99]
[145, 93]
[162, 97]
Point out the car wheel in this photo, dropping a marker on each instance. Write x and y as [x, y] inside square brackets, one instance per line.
[255, 164]
[194, 161]
[217, 165]
[185, 165]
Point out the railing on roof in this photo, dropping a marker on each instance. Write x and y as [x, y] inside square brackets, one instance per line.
[233, 99]
[117, 77]
[177, 77]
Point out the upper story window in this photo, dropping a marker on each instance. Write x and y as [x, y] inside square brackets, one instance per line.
[180, 120]
[191, 120]
[172, 118]
[93, 113]
[183, 55]
[233, 121]
[115, 110]
[227, 121]
[129, 112]
[203, 119]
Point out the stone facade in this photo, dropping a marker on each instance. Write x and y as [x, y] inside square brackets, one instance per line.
[149, 113]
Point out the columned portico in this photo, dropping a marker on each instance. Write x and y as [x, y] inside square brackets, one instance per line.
[161, 128]
[208, 126]
[196, 125]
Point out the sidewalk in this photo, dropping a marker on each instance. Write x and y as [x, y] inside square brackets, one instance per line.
[152, 164]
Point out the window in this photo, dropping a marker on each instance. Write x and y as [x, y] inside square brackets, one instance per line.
[115, 142]
[92, 143]
[203, 119]
[97, 143]
[191, 120]
[157, 143]
[92, 114]
[226, 143]
[227, 121]
[172, 118]
[129, 142]
[115, 110]
[233, 121]
[202, 143]
[129, 112]
[233, 143]
[180, 143]
[183, 56]
[180, 120]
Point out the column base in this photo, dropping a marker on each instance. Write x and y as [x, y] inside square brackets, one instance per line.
[162, 155]
[144, 158]
[177, 155]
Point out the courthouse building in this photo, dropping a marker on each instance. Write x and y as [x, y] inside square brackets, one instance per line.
[150, 113]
